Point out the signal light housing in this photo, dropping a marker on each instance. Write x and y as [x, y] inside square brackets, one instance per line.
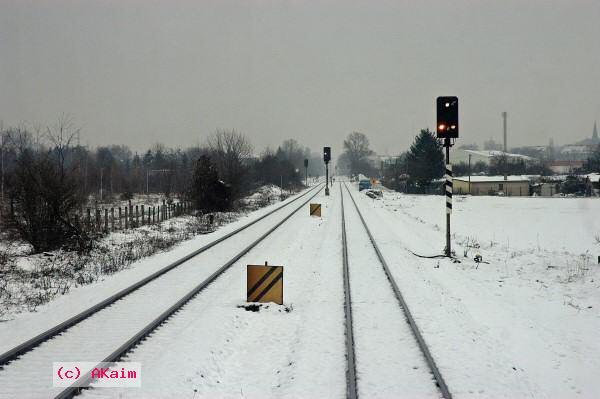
[326, 154]
[447, 117]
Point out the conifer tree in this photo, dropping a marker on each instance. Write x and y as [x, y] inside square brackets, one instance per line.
[425, 160]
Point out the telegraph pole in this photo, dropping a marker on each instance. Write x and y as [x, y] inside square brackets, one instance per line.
[101, 172]
[505, 151]
[470, 173]
[2, 177]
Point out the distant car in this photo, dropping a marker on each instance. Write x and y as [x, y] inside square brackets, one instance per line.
[375, 194]
[364, 184]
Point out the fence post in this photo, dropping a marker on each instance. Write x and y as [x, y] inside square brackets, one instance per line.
[106, 219]
[98, 226]
[89, 218]
[126, 218]
[112, 219]
[120, 220]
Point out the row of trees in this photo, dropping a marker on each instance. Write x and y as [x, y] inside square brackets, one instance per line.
[412, 171]
[48, 177]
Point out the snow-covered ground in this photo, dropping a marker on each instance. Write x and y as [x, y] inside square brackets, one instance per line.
[21, 326]
[30, 280]
[215, 349]
[524, 325]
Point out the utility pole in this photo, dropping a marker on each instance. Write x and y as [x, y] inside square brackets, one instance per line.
[505, 151]
[2, 177]
[470, 173]
[101, 173]
[149, 171]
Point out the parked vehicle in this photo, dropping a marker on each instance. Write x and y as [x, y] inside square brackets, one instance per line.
[364, 183]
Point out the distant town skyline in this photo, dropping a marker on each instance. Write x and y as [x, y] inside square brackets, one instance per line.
[136, 72]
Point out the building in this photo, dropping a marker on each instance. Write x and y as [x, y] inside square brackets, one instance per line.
[489, 157]
[491, 185]
[565, 166]
[594, 140]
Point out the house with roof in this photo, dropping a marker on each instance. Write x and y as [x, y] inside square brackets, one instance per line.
[491, 185]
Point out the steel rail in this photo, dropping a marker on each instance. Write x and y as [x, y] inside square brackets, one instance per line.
[157, 322]
[441, 384]
[351, 391]
[30, 344]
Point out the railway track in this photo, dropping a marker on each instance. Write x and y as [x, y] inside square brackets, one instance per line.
[353, 357]
[131, 319]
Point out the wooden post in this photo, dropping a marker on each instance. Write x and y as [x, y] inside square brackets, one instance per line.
[89, 218]
[98, 219]
[126, 218]
[106, 219]
[120, 220]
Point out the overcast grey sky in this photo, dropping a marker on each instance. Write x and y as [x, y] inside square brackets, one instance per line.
[138, 72]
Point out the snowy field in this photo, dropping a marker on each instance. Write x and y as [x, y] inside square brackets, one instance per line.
[523, 325]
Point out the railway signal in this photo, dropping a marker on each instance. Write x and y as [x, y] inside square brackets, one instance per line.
[326, 159]
[306, 171]
[447, 117]
[447, 130]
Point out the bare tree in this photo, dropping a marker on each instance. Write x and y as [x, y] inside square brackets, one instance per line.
[231, 151]
[292, 151]
[356, 147]
[44, 188]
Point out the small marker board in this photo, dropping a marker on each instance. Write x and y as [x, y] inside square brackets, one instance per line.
[264, 284]
[315, 210]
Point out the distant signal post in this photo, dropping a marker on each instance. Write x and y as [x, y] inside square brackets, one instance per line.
[326, 159]
[306, 171]
[447, 131]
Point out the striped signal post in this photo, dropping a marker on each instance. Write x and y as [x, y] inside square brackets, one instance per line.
[447, 130]
[448, 200]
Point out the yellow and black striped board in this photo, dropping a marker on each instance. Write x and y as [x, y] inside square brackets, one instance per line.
[315, 210]
[265, 284]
